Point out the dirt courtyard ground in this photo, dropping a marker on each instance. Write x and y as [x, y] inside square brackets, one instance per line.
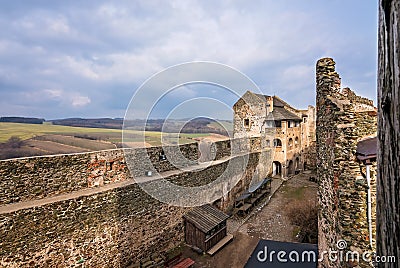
[267, 222]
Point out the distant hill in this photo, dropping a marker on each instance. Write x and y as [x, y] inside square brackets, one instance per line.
[25, 120]
[93, 123]
[197, 125]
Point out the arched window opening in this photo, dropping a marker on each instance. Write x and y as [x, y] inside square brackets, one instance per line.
[277, 143]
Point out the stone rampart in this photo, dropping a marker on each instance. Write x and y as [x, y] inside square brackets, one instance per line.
[341, 124]
[113, 227]
[38, 177]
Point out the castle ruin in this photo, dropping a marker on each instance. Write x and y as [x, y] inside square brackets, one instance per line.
[343, 121]
[289, 131]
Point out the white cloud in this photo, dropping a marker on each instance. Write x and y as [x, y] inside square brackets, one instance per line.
[79, 101]
[297, 76]
[53, 93]
[183, 92]
[78, 67]
[103, 47]
[125, 67]
[59, 97]
[43, 25]
[58, 26]
[111, 11]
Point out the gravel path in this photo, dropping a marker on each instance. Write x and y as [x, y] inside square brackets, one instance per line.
[269, 221]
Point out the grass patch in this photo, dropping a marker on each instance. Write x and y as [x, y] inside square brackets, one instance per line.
[294, 193]
[77, 142]
[27, 131]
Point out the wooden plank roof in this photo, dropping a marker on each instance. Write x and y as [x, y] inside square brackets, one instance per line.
[257, 185]
[205, 217]
[243, 196]
[280, 113]
[277, 102]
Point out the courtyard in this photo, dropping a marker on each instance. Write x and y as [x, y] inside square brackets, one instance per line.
[269, 220]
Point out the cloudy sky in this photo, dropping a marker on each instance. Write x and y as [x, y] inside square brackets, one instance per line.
[87, 58]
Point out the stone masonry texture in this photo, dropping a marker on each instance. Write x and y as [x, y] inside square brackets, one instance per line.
[110, 228]
[37, 177]
[343, 119]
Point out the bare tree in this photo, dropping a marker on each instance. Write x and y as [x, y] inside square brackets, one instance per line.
[304, 214]
[388, 180]
[14, 142]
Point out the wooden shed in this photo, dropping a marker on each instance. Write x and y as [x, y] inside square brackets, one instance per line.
[205, 226]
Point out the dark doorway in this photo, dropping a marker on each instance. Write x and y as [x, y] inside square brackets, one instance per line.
[276, 169]
[290, 168]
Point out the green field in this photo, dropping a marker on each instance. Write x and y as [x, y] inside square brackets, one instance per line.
[85, 144]
[28, 131]
[48, 139]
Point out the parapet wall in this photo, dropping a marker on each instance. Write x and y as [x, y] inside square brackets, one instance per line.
[113, 227]
[29, 178]
[109, 229]
[343, 119]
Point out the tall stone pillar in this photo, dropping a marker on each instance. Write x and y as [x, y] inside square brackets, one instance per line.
[327, 82]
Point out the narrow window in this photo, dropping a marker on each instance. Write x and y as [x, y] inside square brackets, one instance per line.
[162, 156]
[290, 143]
[246, 122]
[277, 143]
[109, 165]
[269, 124]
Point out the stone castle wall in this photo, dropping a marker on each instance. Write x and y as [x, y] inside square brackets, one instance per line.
[249, 107]
[37, 177]
[28, 178]
[308, 137]
[113, 227]
[343, 119]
